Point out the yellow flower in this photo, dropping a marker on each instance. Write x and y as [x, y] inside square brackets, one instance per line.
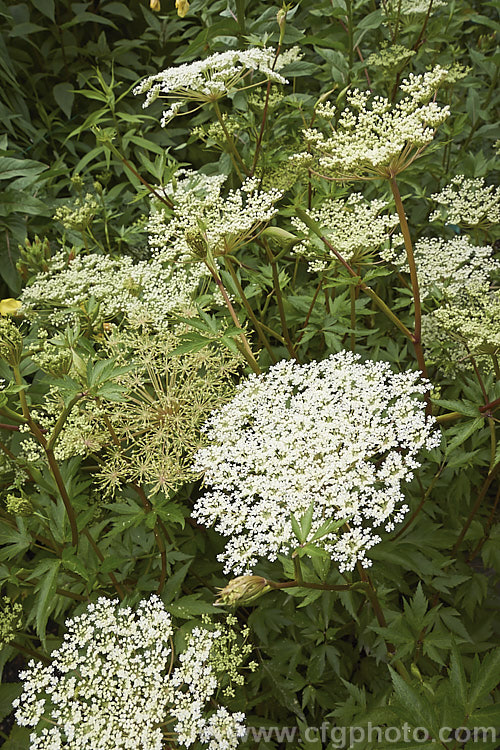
[155, 5]
[182, 7]
[9, 306]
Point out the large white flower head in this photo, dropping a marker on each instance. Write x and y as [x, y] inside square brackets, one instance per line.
[469, 324]
[355, 227]
[212, 79]
[374, 137]
[467, 202]
[340, 434]
[111, 686]
[205, 222]
[448, 266]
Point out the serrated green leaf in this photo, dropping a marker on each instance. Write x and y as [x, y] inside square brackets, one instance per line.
[8, 691]
[457, 677]
[45, 600]
[486, 680]
[464, 432]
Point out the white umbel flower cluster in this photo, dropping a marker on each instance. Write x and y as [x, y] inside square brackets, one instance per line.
[111, 686]
[448, 266]
[469, 324]
[141, 292]
[376, 138]
[354, 227]
[205, 222]
[211, 79]
[339, 434]
[411, 7]
[467, 202]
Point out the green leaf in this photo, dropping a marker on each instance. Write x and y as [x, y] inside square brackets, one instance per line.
[306, 522]
[15, 201]
[13, 541]
[327, 528]
[8, 691]
[464, 432]
[10, 168]
[45, 600]
[64, 96]
[487, 680]
[190, 606]
[457, 677]
[296, 528]
[463, 407]
[47, 7]
[19, 738]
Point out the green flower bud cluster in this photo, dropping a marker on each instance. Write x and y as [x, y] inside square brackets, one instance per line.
[34, 257]
[10, 620]
[389, 56]
[54, 360]
[11, 342]
[18, 505]
[228, 655]
[78, 216]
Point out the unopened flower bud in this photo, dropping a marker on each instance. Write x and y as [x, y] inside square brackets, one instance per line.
[281, 19]
[182, 7]
[243, 590]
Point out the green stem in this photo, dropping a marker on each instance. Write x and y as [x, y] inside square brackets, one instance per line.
[474, 510]
[5, 411]
[307, 585]
[449, 417]
[279, 300]
[405, 230]
[364, 287]
[61, 421]
[350, 34]
[309, 312]
[264, 115]
[99, 554]
[248, 308]
[297, 569]
[247, 352]
[54, 468]
[352, 295]
[233, 151]
[420, 506]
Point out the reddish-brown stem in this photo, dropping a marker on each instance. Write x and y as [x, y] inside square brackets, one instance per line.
[420, 506]
[264, 118]
[309, 312]
[490, 405]
[489, 524]
[475, 508]
[99, 554]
